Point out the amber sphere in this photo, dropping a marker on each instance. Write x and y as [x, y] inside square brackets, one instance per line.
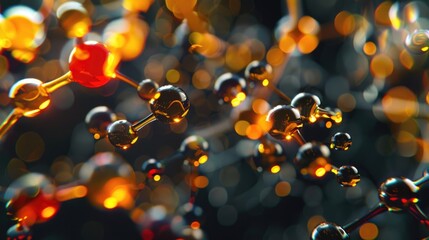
[341, 141]
[230, 88]
[170, 104]
[284, 120]
[121, 134]
[153, 167]
[74, 19]
[398, 193]
[313, 160]
[348, 176]
[29, 97]
[267, 155]
[31, 198]
[98, 119]
[417, 42]
[329, 231]
[195, 149]
[306, 104]
[257, 71]
[147, 89]
[19, 232]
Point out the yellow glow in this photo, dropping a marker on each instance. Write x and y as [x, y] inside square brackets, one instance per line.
[48, 212]
[312, 119]
[172, 76]
[110, 202]
[275, 169]
[156, 178]
[203, 159]
[288, 137]
[238, 99]
[176, 120]
[157, 95]
[45, 104]
[265, 82]
[424, 49]
[97, 136]
[261, 148]
[120, 194]
[320, 172]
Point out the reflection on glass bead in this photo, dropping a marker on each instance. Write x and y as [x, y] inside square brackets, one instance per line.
[307, 105]
[170, 104]
[417, 42]
[195, 150]
[258, 71]
[19, 232]
[74, 19]
[147, 89]
[285, 121]
[268, 156]
[230, 88]
[348, 176]
[341, 141]
[121, 134]
[91, 64]
[31, 199]
[398, 193]
[153, 169]
[98, 119]
[29, 97]
[329, 231]
[313, 160]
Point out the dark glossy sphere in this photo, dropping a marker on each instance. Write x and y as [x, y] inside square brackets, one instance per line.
[313, 160]
[121, 134]
[267, 155]
[284, 120]
[329, 231]
[170, 104]
[417, 42]
[153, 167]
[258, 71]
[230, 88]
[341, 141]
[98, 119]
[348, 176]
[147, 89]
[306, 104]
[398, 193]
[29, 97]
[19, 232]
[195, 149]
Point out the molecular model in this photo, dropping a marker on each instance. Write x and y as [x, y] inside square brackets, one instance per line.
[250, 119]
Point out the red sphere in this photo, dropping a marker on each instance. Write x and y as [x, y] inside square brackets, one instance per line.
[91, 64]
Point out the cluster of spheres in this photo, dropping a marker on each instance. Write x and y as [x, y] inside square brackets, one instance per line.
[163, 156]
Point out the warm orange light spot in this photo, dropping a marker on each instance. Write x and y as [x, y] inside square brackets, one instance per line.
[287, 43]
[399, 104]
[254, 132]
[406, 59]
[347, 103]
[195, 225]
[110, 202]
[240, 127]
[328, 124]
[48, 212]
[381, 66]
[344, 23]
[275, 169]
[369, 48]
[172, 76]
[201, 79]
[80, 191]
[282, 189]
[314, 221]
[260, 106]
[238, 56]
[201, 182]
[196, 164]
[288, 137]
[308, 25]
[381, 14]
[308, 43]
[275, 56]
[368, 231]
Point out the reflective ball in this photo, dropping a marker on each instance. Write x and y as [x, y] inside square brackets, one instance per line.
[284, 121]
[170, 104]
[74, 19]
[258, 71]
[417, 42]
[341, 141]
[329, 231]
[307, 105]
[147, 89]
[230, 88]
[154, 169]
[268, 156]
[195, 149]
[19, 232]
[98, 119]
[29, 97]
[313, 160]
[348, 176]
[398, 193]
[121, 134]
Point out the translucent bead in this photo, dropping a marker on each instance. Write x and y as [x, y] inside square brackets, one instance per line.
[121, 134]
[29, 97]
[313, 160]
[195, 150]
[417, 42]
[153, 169]
[19, 232]
[307, 105]
[329, 231]
[398, 193]
[74, 19]
[268, 156]
[98, 119]
[257, 71]
[170, 104]
[91, 64]
[230, 88]
[341, 141]
[285, 121]
[348, 176]
[31, 199]
[147, 89]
